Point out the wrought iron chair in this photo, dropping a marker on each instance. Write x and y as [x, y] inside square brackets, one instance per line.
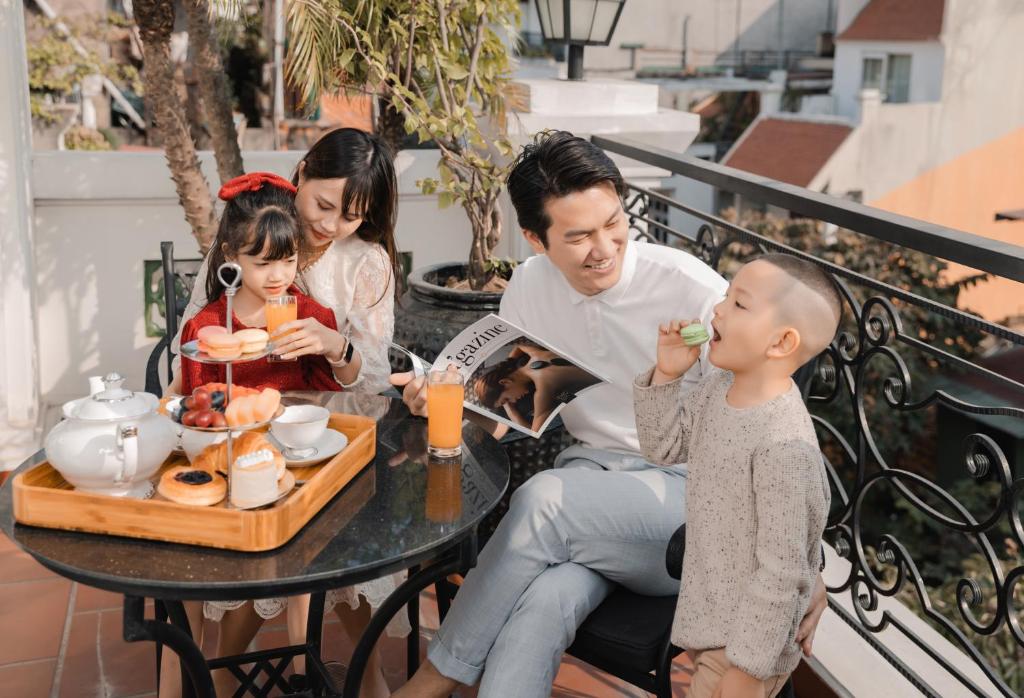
[178, 278]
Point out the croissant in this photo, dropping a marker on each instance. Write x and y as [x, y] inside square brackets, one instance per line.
[214, 458]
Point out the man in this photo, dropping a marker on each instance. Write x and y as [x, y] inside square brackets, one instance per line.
[604, 515]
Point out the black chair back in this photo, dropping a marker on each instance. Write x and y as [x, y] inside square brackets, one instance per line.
[178, 276]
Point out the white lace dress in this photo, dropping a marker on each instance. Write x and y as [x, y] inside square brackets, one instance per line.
[354, 279]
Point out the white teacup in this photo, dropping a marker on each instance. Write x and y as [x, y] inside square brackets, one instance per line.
[299, 428]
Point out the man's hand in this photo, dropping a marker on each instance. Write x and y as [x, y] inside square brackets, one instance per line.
[737, 683]
[809, 624]
[414, 391]
[674, 357]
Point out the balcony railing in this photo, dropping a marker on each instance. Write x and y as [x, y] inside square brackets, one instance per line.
[919, 408]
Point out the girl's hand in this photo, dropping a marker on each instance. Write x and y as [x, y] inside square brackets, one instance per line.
[674, 357]
[308, 336]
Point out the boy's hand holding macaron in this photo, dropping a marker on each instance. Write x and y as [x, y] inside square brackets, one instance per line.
[679, 344]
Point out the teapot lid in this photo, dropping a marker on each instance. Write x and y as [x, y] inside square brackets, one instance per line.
[113, 402]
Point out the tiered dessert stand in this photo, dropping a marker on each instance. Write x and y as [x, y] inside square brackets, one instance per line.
[191, 350]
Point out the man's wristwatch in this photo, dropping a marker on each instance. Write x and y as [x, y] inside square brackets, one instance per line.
[346, 356]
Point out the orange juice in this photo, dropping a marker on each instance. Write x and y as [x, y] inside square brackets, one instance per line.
[444, 489]
[444, 417]
[279, 314]
[279, 311]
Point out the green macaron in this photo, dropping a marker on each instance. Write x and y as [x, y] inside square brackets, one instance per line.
[694, 335]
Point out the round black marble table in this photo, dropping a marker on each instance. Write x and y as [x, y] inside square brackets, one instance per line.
[404, 511]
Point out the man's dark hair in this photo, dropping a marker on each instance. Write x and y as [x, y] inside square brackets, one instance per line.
[556, 164]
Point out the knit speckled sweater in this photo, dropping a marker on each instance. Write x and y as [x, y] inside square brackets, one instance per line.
[757, 498]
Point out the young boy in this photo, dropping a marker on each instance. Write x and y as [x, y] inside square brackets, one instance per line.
[757, 494]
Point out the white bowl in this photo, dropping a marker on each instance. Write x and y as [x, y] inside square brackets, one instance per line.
[193, 442]
[300, 426]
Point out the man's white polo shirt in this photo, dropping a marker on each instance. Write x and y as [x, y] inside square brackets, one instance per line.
[614, 332]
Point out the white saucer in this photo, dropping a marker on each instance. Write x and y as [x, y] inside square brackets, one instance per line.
[327, 446]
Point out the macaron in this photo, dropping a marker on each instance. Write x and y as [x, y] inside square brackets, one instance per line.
[208, 331]
[252, 340]
[694, 334]
[224, 346]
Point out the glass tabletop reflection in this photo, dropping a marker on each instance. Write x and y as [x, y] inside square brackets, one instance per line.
[402, 509]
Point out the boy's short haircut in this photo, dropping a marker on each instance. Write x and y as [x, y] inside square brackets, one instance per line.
[556, 164]
[810, 275]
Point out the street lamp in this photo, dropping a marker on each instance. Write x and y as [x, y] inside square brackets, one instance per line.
[578, 23]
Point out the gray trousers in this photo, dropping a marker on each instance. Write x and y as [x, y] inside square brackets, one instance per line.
[570, 535]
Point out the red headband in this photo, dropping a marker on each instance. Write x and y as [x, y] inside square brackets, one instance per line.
[253, 181]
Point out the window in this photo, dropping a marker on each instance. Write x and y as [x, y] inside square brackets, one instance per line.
[897, 79]
[889, 74]
[871, 74]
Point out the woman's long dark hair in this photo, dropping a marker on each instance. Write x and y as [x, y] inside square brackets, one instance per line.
[250, 221]
[366, 164]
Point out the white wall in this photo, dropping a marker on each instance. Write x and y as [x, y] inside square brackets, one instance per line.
[695, 194]
[926, 70]
[711, 31]
[99, 215]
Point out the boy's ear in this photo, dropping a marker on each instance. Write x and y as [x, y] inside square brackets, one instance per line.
[535, 243]
[302, 171]
[785, 344]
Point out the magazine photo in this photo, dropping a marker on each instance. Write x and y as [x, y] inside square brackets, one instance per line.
[512, 376]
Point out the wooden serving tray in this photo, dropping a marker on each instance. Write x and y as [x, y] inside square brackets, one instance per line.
[43, 498]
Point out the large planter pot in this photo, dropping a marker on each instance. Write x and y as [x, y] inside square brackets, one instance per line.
[426, 319]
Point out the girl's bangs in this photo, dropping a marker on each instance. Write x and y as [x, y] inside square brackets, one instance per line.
[273, 237]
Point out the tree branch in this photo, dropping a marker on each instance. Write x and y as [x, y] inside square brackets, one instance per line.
[478, 42]
[442, 25]
[409, 61]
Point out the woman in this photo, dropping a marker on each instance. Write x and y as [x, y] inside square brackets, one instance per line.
[529, 384]
[346, 198]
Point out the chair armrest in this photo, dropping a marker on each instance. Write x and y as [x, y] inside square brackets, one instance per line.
[674, 553]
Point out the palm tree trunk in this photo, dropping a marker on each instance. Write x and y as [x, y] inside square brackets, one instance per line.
[155, 19]
[214, 91]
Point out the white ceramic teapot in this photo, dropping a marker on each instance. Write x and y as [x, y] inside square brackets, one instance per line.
[111, 442]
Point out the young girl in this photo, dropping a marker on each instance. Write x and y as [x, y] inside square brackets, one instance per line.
[258, 231]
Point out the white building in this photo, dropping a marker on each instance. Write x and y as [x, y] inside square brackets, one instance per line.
[933, 108]
[709, 32]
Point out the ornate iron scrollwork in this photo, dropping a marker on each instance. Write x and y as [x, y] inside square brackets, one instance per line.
[862, 386]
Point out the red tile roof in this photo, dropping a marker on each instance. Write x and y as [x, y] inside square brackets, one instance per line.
[787, 150]
[897, 20]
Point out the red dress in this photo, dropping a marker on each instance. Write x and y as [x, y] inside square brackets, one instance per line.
[311, 372]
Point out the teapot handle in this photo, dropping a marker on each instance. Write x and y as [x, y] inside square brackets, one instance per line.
[128, 442]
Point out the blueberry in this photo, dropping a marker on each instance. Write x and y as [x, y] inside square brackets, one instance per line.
[194, 477]
[218, 399]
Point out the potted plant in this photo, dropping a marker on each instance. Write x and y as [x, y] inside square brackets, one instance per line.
[439, 71]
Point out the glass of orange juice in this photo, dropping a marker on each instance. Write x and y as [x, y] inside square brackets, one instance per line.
[280, 310]
[445, 391]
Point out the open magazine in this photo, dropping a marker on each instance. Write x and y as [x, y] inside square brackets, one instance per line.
[511, 376]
